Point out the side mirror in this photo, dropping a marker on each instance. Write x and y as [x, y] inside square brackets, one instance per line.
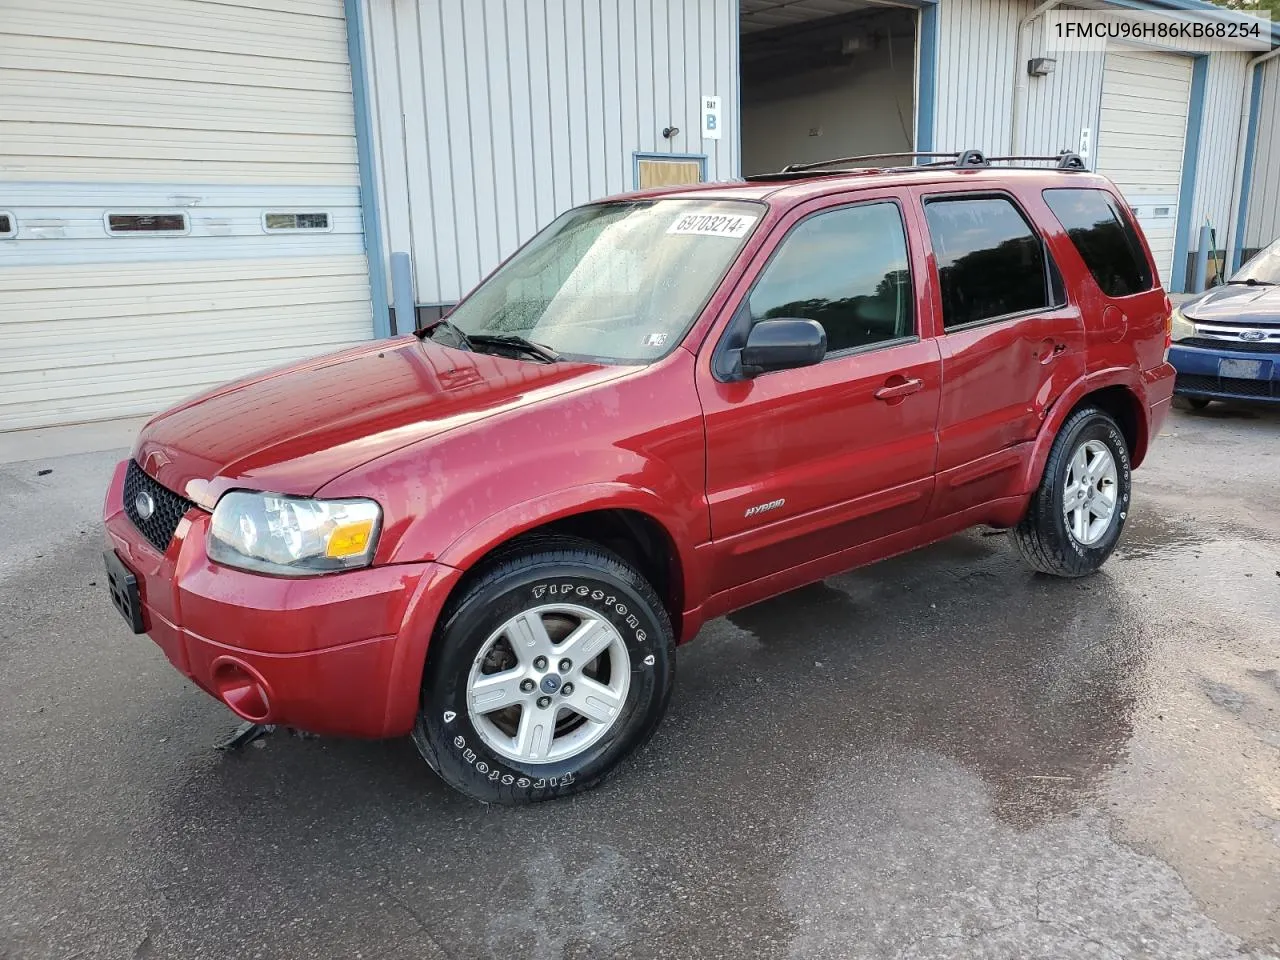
[782, 344]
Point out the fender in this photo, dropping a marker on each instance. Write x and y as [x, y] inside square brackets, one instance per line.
[1126, 377]
[465, 551]
[448, 569]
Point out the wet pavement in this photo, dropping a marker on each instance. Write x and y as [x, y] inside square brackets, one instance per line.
[940, 756]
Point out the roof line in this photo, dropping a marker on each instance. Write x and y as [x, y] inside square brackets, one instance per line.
[1205, 6]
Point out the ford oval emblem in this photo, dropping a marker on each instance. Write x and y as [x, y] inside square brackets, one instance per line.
[145, 504]
[1253, 336]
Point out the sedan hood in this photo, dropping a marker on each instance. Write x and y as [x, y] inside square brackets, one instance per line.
[1237, 303]
[294, 429]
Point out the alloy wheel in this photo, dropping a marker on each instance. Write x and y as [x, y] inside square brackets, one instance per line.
[1090, 492]
[548, 683]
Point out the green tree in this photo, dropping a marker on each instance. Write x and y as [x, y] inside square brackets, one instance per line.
[1253, 6]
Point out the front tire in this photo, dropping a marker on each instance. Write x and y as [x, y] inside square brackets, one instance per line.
[1078, 511]
[553, 665]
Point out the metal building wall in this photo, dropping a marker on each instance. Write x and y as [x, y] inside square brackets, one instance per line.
[976, 50]
[1063, 104]
[1219, 136]
[1263, 223]
[494, 117]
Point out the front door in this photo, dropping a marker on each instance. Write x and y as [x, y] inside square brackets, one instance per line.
[803, 463]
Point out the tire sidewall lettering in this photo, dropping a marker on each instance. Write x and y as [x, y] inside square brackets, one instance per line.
[459, 738]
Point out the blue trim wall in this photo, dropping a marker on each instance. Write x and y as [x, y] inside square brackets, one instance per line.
[637, 156]
[926, 78]
[370, 212]
[1246, 175]
[1190, 162]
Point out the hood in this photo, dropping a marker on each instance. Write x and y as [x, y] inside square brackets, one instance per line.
[295, 428]
[1236, 303]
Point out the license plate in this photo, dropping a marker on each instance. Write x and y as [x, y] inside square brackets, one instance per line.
[1244, 369]
[122, 584]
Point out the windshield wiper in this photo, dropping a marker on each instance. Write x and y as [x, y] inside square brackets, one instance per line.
[1253, 282]
[541, 351]
[460, 335]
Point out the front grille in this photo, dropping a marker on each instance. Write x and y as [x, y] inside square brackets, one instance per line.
[1198, 383]
[169, 507]
[1235, 346]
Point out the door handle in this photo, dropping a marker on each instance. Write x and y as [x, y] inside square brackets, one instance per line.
[895, 391]
[1051, 350]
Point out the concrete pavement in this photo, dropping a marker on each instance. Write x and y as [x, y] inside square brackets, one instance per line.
[940, 756]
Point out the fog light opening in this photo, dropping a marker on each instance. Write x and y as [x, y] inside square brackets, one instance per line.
[241, 689]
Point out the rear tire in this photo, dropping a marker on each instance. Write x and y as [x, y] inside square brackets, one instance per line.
[553, 665]
[1078, 511]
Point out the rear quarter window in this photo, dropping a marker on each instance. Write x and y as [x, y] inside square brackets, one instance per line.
[1104, 237]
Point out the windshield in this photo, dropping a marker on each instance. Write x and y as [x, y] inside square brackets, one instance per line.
[612, 282]
[1263, 267]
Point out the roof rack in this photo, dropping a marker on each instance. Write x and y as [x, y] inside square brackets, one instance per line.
[962, 159]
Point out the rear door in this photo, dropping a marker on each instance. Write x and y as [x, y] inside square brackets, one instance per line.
[804, 463]
[1011, 341]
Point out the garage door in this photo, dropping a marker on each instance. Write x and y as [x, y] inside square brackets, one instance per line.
[1142, 134]
[181, 185]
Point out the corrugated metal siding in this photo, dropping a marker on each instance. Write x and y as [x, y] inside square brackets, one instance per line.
[224, 110]
[495, 117]
[1063, 104]
[976, 49]
[1219, 135]
[1263, 223]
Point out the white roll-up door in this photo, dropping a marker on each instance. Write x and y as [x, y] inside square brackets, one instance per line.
[182, 184]
[1142, 134]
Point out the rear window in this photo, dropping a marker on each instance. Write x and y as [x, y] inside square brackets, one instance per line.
[990, 262]
[1105, 238]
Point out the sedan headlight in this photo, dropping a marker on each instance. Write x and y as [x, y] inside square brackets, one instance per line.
[1181, 328]
[293, 536]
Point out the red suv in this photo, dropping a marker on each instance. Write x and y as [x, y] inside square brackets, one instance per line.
[493, 533]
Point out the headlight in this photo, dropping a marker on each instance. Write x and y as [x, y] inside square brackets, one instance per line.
[1182, 328]
[293, 536]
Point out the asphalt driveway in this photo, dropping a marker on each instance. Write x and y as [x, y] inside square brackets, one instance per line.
[941, 756]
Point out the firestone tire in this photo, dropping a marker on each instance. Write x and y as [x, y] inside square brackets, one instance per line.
[562, 584]
[1044, 538]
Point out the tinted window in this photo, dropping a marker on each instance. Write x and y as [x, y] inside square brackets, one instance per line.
[846, 269]
[6, 225]
[990, 262]
[1105, 238]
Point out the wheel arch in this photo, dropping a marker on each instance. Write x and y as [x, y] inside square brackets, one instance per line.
[1118, 394]
[637, 527]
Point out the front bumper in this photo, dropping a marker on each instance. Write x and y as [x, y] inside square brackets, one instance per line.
[336, 654]
[1201, 373]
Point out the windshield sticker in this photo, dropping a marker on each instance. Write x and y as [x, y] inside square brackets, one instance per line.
[655, 340]
[712, 225]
